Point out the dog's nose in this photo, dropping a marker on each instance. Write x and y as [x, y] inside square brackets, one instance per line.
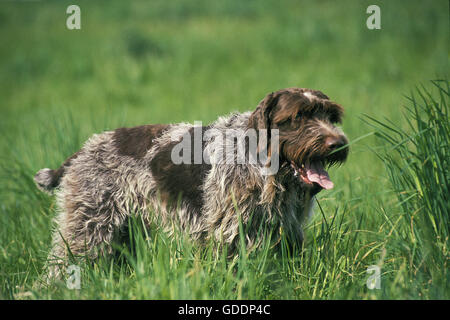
[334, 143]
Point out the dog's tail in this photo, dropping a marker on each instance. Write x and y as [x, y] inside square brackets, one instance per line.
[47, 179]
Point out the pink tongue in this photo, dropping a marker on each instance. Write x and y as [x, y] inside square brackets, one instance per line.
[316, 173]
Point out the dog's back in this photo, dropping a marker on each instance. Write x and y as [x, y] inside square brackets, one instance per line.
[132, 171]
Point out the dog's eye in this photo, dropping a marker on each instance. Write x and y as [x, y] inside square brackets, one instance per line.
[335, 119]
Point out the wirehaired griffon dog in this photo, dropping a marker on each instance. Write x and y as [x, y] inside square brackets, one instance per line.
[131, 171]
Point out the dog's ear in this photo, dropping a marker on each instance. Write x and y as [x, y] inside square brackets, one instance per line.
[260, 118]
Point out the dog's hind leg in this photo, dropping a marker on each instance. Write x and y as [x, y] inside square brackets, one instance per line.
[84, 227]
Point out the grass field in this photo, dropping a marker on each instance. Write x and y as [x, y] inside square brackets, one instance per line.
[142, 62]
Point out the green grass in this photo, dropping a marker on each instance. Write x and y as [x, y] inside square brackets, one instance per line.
[417, 161]
[157, 62]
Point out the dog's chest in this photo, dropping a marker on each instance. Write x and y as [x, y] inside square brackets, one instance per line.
[294, 201]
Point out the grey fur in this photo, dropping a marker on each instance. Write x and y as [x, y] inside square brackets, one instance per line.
[44, 179]
[101, 188]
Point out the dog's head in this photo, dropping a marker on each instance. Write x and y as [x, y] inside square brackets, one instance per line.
[309, 140]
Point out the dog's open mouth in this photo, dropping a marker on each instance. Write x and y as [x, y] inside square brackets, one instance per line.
[313, 172]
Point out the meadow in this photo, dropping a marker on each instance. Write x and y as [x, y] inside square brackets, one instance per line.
[141, 62]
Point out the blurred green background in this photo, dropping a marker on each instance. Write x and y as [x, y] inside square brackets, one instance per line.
[157, 62]
[139, 62]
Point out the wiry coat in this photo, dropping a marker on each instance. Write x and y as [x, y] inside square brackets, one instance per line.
[130, 171]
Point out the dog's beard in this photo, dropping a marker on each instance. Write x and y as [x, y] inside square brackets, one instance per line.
[308, 165]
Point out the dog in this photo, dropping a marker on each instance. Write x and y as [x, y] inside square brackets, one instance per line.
[135, 171]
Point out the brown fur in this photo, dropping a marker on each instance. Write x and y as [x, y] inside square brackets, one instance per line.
[135, 142]
[130, 171]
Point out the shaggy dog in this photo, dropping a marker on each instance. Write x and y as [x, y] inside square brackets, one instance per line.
[138, 171]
